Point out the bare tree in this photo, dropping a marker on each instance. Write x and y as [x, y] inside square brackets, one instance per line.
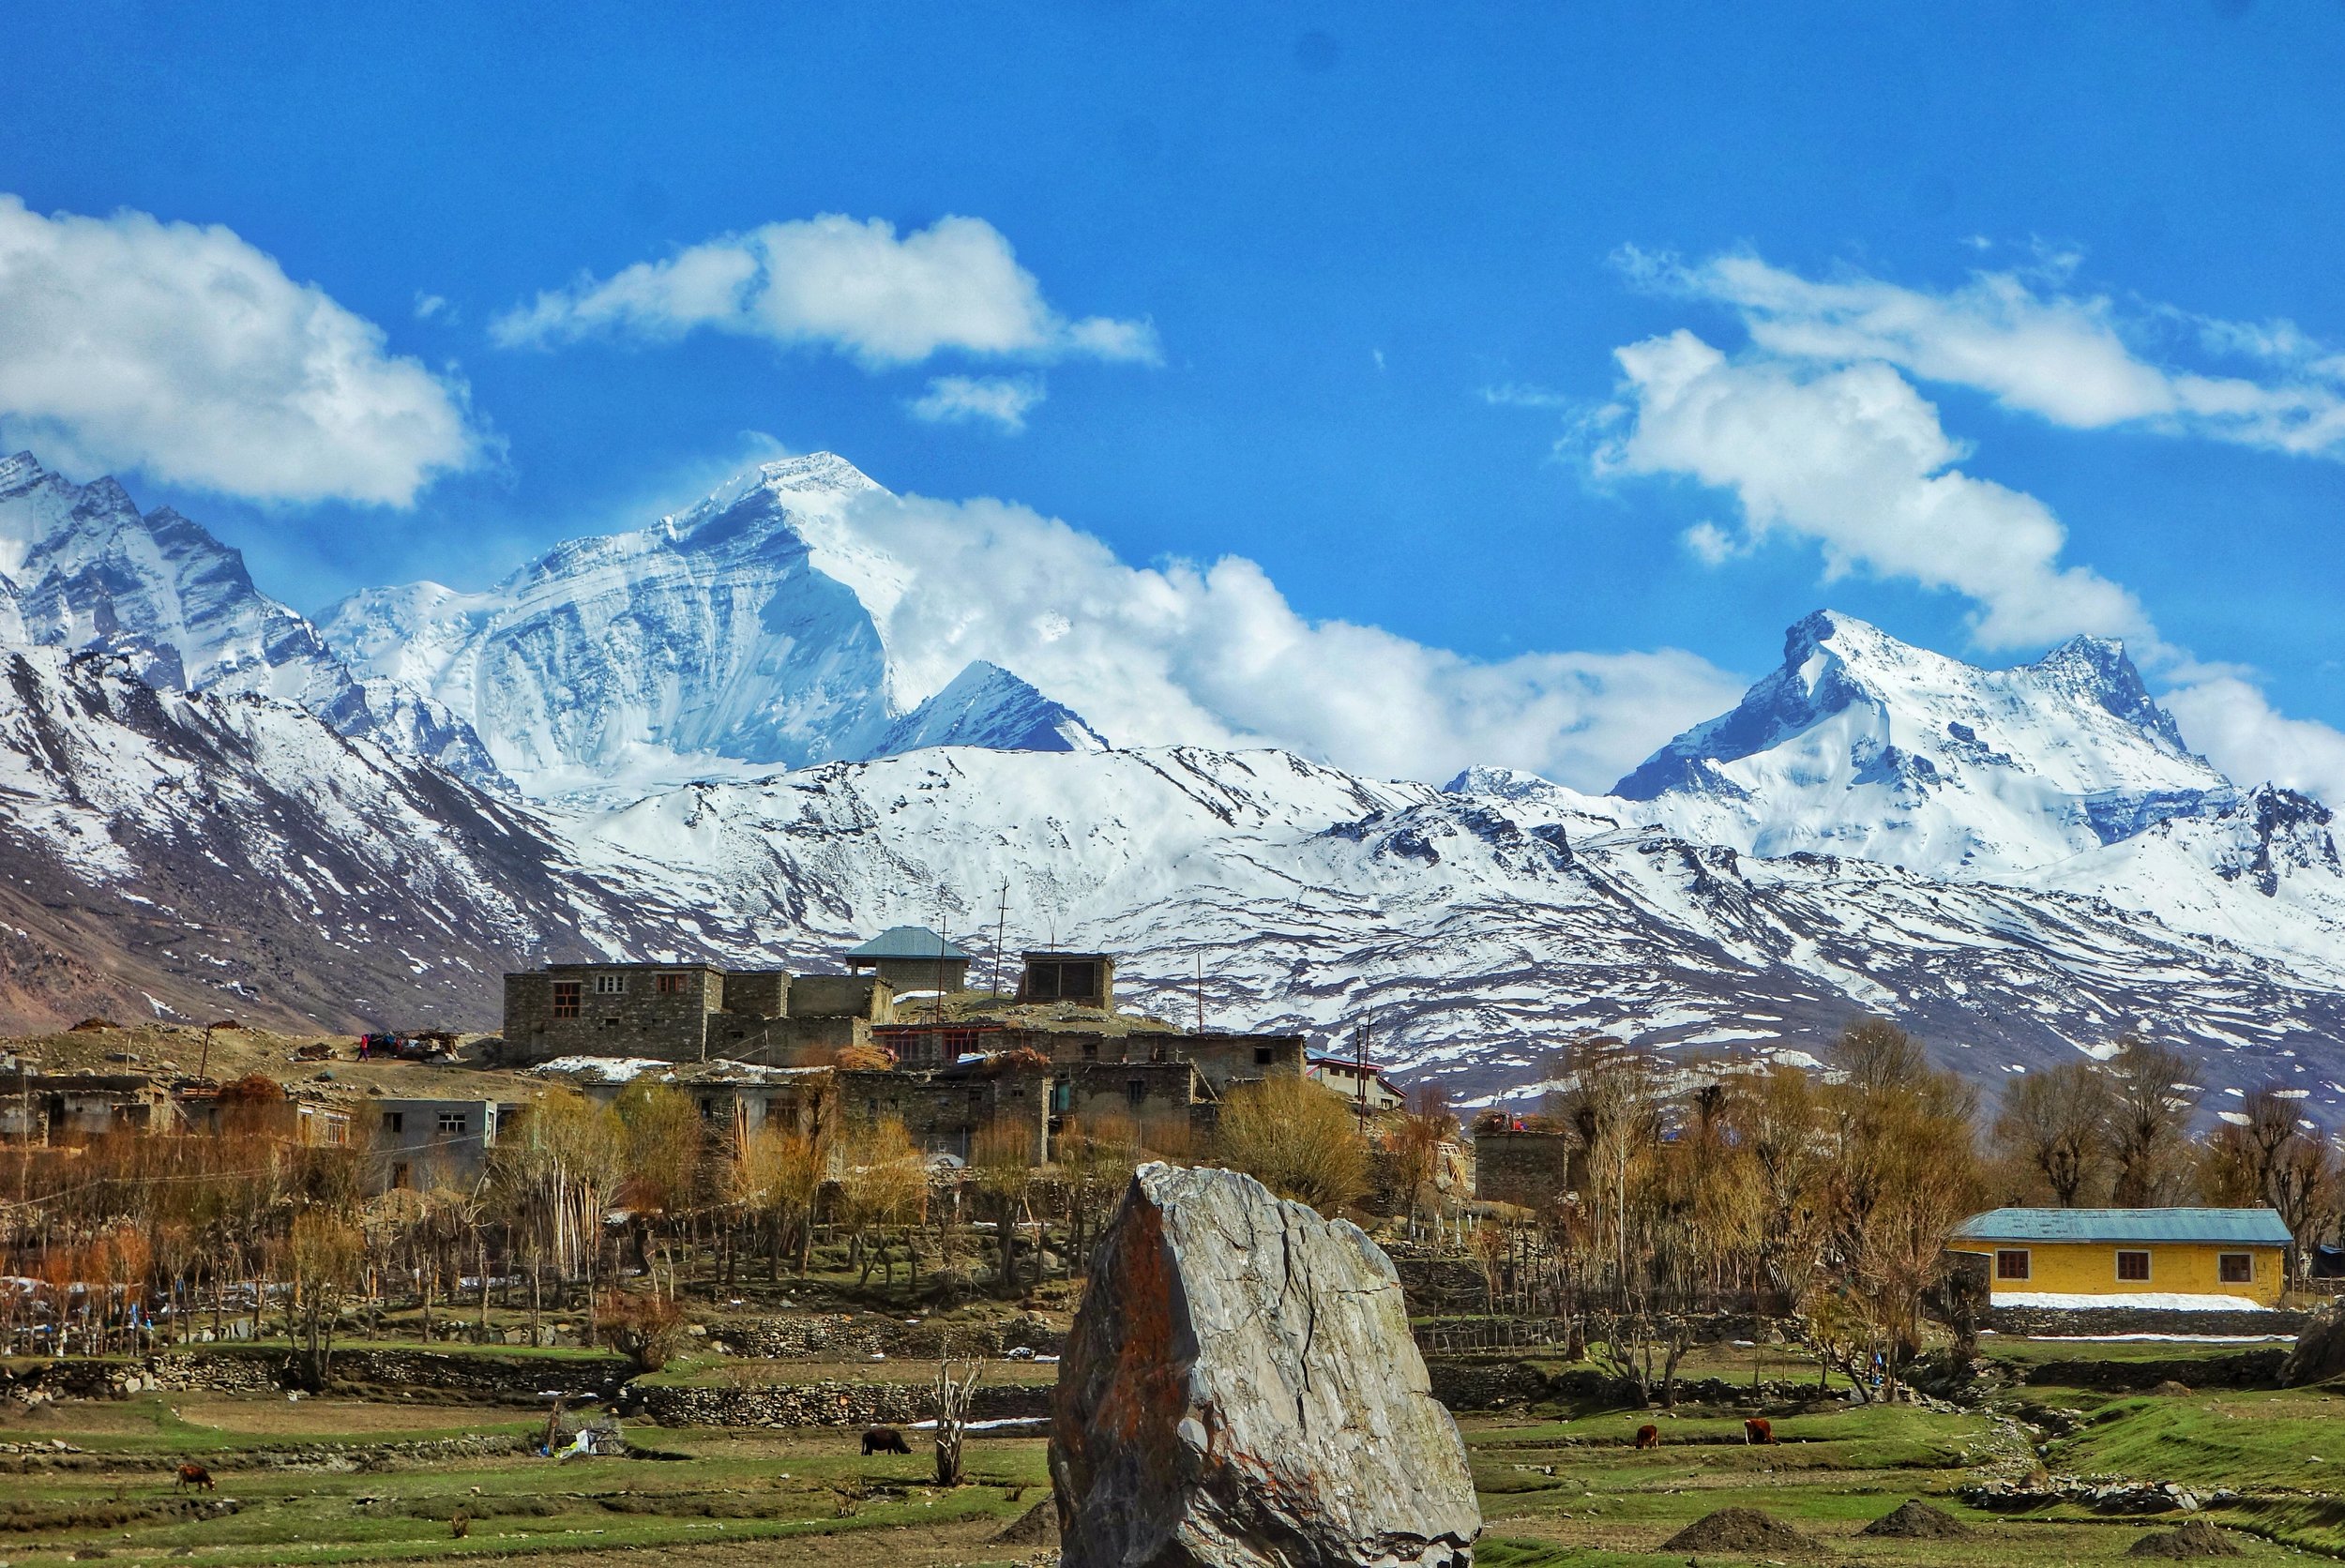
[2150, 1104]
[2057, 1121]
[954, 1387]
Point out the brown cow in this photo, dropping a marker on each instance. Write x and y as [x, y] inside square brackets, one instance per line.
[884, 1440]
[1758, 1429]
[195, 1475]
[1648, 1436]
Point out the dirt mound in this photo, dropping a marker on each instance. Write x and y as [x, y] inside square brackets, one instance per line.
[1037, 1526]
[2172, 1390]
[2196, 1538]
[1743, 1531]
[1918, 1521]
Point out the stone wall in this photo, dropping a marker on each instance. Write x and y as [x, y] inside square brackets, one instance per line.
[823, 1335]
[2246, 1369]
[244, 1369]
[2042, 1321]
[829, 1403]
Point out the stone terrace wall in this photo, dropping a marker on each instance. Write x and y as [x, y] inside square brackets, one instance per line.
[830, 1403]
[245, 1369]
[2039, 1321]
[835, 1335]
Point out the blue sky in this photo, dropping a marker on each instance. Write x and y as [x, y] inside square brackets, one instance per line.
[1342, 290]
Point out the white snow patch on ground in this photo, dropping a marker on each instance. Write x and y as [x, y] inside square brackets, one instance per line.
[2162, 1301]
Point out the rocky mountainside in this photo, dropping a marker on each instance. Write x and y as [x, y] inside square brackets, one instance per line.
[2019, 863]
[729, 634]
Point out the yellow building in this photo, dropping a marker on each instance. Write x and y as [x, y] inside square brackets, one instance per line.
[2061, 1257]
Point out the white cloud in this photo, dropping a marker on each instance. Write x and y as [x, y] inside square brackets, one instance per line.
[1713, 546]
[1854, 459]
[2237, 727]
[1001, 401]
[2073, 359]
[833, 281]
[1214, 655]
[130, 343]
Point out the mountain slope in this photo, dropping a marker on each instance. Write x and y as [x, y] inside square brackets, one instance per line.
[725, 634]
[211, 854]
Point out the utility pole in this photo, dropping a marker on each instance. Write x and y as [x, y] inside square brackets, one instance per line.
[1201, 990]
[1367, 1023]
[936, 1007]
[1001, 929]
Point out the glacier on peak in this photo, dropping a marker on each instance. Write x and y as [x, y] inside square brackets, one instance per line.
[1861, 745]
[739, 632]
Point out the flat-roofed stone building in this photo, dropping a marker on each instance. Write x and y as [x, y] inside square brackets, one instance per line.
[688, 1012]
[1086, 979]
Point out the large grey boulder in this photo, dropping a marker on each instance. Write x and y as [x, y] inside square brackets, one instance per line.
[1240, 1390]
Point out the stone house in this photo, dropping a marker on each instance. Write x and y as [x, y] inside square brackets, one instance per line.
[913, 958]
[55, 1108]
[1086, 979]
[1529, 1168]
[687, 1013]
[945, 1110]
[429, 1144]
[1360, 1084]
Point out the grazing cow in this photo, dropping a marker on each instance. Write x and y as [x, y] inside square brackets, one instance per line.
[1648, 1436]
[883, 1439]
[195, 1475]
[1758, 1429]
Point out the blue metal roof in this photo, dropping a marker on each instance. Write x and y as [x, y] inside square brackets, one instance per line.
[2238, 1226]
[908, 941]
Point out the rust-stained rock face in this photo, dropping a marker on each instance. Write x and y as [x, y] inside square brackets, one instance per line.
[1240, 1390]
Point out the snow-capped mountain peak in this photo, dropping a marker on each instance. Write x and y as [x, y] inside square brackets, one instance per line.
[1858, 743]
[740, 630]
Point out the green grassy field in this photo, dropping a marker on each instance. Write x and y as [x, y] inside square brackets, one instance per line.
[1563, 1487]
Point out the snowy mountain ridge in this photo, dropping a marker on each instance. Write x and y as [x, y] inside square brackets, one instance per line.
[2019, 863]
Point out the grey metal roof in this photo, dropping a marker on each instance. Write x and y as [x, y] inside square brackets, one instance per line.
[908, 941]
[2240, 1226]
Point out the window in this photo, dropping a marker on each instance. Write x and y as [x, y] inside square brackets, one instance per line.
[399, 1177]
[959, 1043]
[2011, 1264]
[1091, 1050]
[668, 985]
[2235, 1268]
[2134, 1266]
[566, 999]
[394, 1120]
[454, 1123]
[1261, 1056]
[1136, 1092]
[708, 1108]
[610, 985]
